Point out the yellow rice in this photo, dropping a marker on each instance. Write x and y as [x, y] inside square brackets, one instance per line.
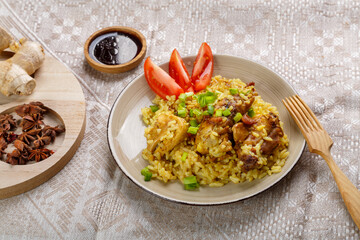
[227, 169]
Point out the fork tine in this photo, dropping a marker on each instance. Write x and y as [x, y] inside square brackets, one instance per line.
[296, 116]
[313, 117]
[303, 112]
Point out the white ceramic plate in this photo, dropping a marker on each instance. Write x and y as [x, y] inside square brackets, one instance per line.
[126, 132]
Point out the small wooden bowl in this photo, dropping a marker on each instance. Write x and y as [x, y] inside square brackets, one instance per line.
[120, 67]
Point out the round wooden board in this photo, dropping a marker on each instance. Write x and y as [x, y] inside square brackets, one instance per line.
[60, 91]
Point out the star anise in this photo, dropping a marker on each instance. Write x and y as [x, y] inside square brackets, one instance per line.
[42, 141]
[40, 154]
[17, 158]
[3, 145]
[11, 136]
[29, 136]
[31, 122]
[7, 121]
[21, 146]
[52, 131]
[30, 109]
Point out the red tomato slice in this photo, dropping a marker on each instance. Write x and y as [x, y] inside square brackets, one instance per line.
[190, 89]
[159, 81]
[203, 68]
[177, 71]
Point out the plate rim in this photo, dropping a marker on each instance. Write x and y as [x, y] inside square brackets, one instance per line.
[110, 144]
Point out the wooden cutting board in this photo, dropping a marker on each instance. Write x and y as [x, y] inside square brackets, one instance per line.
[61, 92]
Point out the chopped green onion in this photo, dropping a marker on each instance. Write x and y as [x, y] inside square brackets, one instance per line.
[234, 91]
[197, 112]
[184, 156]
[210, 99]
[251, 112]
[218, 113]
[206, 113]
[237, 117]
[182, 112]
[154, 108]
[182, 104]
[202, 101]
[192, 130]
[191, 113]
[146, 173]
[190, 183]
[182, 97]
[206, 98]
[193, 123]
[211, 109]
[226, 112]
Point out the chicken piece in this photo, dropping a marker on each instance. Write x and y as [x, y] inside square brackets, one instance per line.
[240, 133]
[213, 136]
[251, 139]
[275, 133]
[250, 162]
[158, 133]
[239, 104]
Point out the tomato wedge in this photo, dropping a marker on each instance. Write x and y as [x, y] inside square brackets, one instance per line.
[203, 68]
[177, 71]
[159, 81]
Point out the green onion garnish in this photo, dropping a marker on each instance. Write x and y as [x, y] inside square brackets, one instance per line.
[210, 99]
[190, 183]
[218, 113]
[154, 108]
[146, 173]
[226, 112]
[234, 91]
[182, 104]
[211, 109]
[251, 112]
[191, 113]
[237, 117]
[197, 112]
[217, 93]
[182, 97]
[184, 156]
[182, 112]
[193, 123]
[202, 101]
[192, 130]
[206, 113]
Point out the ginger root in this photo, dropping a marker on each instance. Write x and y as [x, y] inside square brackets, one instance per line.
[5, 39]
[15, 72]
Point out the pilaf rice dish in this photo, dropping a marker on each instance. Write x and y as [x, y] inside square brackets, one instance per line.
[225, 133]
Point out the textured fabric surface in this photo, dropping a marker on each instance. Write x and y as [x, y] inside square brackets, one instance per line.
[315, 45]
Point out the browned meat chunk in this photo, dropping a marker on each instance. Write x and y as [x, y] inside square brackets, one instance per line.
[251, 139]
[160, 128]
[239, 104]
[275, 133]
[240, 133]
[250, 162]
[213, 136]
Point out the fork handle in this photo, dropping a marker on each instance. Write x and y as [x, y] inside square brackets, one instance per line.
[349, 193]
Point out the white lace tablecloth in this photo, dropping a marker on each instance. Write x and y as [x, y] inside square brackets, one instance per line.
[315, 45]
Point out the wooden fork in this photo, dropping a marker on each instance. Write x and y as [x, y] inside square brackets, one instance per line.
[319, 142]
